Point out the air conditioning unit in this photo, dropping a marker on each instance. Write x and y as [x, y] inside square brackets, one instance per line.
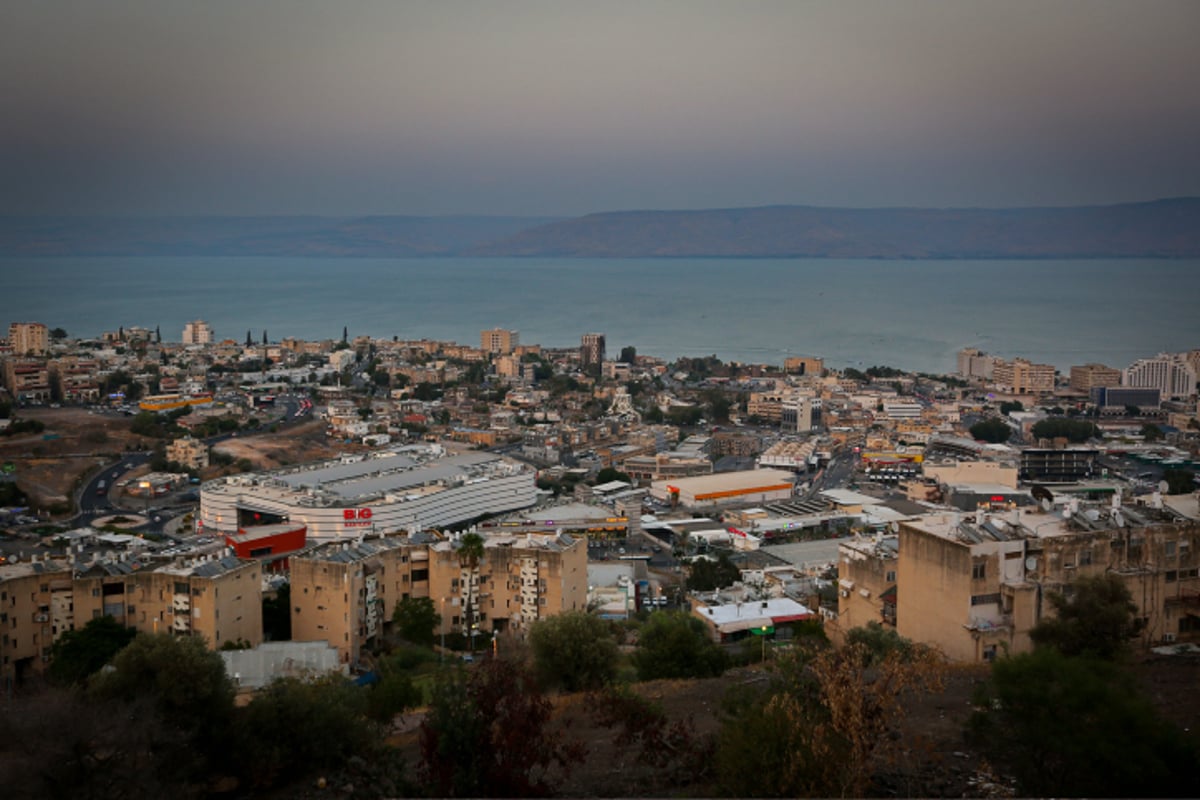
[41, 618]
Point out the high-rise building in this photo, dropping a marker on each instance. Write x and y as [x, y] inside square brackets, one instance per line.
[974, 363]
[197, 332]
[591, 350]
[802, 365]
[499, 341]
[28, 338]
[1170, 373]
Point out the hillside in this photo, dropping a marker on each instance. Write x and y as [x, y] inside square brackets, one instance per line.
[373, 236]
[1160, 229]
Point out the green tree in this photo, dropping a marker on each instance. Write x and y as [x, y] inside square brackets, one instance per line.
[574, 650]
[611, 474]
[1008, 407]
[1078, 727]
[1179, 481]
[994, 430]
[79, 654]
[295, 727]
[706, 575]
[487, 734]
[277, 615]
[416, 619]
[878, 642]
[676, 645]
[684, 415]
[182, 680]
[1151, 432]
[1073, 430]
[58, 334]
[628, 355]
[1096, 620]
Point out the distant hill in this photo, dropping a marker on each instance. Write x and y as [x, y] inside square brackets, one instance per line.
[1159, 229]
[375, 236]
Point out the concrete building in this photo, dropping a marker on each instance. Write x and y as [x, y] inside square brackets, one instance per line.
[499, 341]
[34, 611]
[867, 569]
[802, 365]
[1171, 373]
[974, 585]
[28, 338]
[397, 489]
[188, 452]
[27, 380]
[974, 363]
[1020, 376]
[345, 592]
[591, 351]
[1093, 376]
[197, 332]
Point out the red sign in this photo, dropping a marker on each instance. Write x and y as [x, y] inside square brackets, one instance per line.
[737, 532]
[356, 513]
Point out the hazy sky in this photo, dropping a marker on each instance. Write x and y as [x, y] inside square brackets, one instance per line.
[284, 107]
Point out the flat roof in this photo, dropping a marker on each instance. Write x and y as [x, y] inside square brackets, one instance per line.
[727, 481]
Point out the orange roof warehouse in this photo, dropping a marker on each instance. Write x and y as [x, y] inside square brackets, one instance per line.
[747, 486]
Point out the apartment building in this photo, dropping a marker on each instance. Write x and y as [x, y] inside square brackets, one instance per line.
[1094, 376]
[499, 341]
[591, 350]
[217, 597]
[27, 380]
[197, 332]
[801, 365]
[28, 338]
[33, 597]
[867, 570]
[76, 378]
[1020, 376]
[345, 593]
[974, 363]
[190, 453]
[975, 585]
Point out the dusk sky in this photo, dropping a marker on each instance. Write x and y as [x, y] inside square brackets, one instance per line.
[563, 108]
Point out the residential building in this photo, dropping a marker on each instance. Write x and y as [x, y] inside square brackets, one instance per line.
[867, 570]
[499, 341]
[591, 351]
[31, 616]
[975, 585]
[974, 363]
[802, 365]
[1020, 376]
[188, 452]
[197, 332]
[1094, 376]
[28, 338]
[27, 380]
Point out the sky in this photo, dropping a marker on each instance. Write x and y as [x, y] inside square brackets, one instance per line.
[166, 107]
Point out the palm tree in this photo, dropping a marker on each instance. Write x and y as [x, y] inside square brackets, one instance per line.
[470, 553]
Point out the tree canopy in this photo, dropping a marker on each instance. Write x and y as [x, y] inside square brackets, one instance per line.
[1073, 430]
[705, 575]
[994, 430]
[676, 645]
[1096, 620]
[574, 650]
[416, 619]
[79, 654]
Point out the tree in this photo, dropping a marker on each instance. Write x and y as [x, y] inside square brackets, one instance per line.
[345, 334]
[676, 645]
[1008, 407]
[1076, 726]
[249, 338]
[416, 619]
[1096, 620]
[470, 554]
[182, 680]
[575, 651]
[1151, 433]
[487, 735]
[277, 615]
[265, 336]
[1179, 481]
[157, 335]
[1073, 430]
[994, 430]
[878, 642]
[295, 727]
[79, 654]
[609, 474]
[705, 575]
[58, 334]
[628, 355]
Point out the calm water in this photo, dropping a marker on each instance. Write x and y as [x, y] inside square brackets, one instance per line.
[909, 314]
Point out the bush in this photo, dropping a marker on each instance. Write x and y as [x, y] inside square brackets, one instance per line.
[575, 651]
[676, 645]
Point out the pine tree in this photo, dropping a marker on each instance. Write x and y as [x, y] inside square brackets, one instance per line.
[345, 333]
[249, 338]
[264, 335]
[157, 335]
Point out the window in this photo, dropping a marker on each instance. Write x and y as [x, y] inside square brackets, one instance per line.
[890, 576]
[1171, 576]
[985, 599]
[1169, 549]
[979, 571]
[1085, 558]
[989, 652]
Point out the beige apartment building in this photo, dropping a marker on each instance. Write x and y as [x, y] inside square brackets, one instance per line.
[499, 341]
[27, 380]
[974, 585]
[345, 593]
[188, 452]
[216, 597]
[800, 365]
[1020, 376]
[1093, 376]
[31, 617]
[28, 338]
[197, 332]
[867, 571]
